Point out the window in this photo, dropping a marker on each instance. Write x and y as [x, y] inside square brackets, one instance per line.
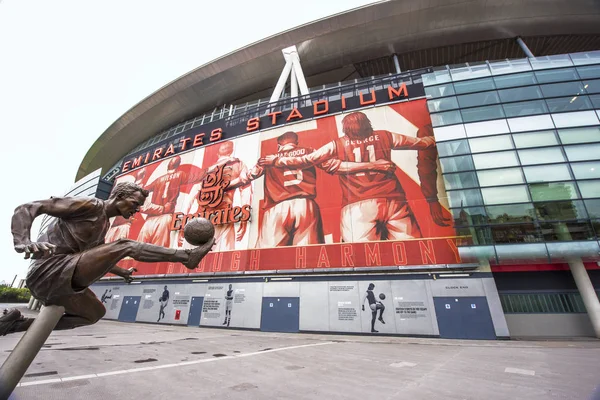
[495, 160]
[556, 75]
[547, 173]
[595, 99]
[560, 210]
[563, 104]
[519, 233]
[541, 156]
[510, 213]
[498, 177]
[453, 148]
[532, 123]
[504, 195]
[520, 93]
[552, 191]
[562, 89]
[487, 128]
[482, 113]
[456, 164]
[446, 118]
[525, 108]
[461, 180]
[449, 132]
[583, 152]
[447, 103]
[465, 198]
[493, 143]
[592, 86]
[439, 91]
[478, 99]
[590, 71]
[567, 231]
[587, 170]
[522, 79]
[509, 67]
[593, 208]
[469, 216]
[535, 139]
[471, 86]
[589, 189]
[579, 135]
[533, 303]
[577, 118]
[441, 75]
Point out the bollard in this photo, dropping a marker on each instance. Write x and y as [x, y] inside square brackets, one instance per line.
[31, 300]
[25, 351]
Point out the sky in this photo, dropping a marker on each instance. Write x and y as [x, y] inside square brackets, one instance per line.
[68, 69]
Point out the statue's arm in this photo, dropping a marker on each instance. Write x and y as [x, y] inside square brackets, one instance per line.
[59, 207]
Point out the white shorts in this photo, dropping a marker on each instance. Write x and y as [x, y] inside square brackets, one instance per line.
[292, 222]
[156, 230]
[117, 232]
[378, 219]
[228, 304]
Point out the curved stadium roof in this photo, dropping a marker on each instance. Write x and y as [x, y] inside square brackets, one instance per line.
[354, 44]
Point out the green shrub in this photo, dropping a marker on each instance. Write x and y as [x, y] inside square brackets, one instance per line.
[14, 295]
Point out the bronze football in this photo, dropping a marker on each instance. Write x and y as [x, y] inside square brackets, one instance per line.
[198, 231]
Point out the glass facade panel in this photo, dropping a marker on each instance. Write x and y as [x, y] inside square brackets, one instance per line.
[445, 104]
[590, 71]
[593, 209]
[553, 191]
[493, 143]
[513, 80]
[449, 132]
[561, 231]
[546, 155]
[579, 135]
[595, 99]
[446, 118]
[562, 89]
[533, 123]
[554, 61]
[586, 170]
[589, 189]
[482, 113]
[505, 195]
[495, 160]
[583, 152]
[469, 216]
[510, 213]
[478, 99]
[498, 177]
[441, 75]
[560, 210]
[461, 180]
[535, 139]
[456, 164]
[510, 66]
[525, 108]
[439, 91]
[547, 173]
[556, 75]
[563, 104]
[465, 198]
[520, 94]
[453, 148]
[520, 233]
[592, 86]
[478, 85]
[487, 128]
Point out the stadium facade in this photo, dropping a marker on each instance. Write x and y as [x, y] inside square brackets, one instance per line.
[406, 168]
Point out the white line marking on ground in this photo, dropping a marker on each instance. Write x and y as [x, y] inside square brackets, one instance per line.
[181, 364]
[519, 371]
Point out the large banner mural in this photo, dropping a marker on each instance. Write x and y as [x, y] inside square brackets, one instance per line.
[357, 189]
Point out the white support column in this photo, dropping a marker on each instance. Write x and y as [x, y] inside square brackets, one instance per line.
[524, 47]
[587, 292]
[397, 64]
[292, 67]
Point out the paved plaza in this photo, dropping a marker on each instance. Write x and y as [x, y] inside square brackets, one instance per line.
[113, 360]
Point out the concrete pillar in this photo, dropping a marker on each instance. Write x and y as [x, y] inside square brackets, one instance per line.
[396, 64]
[588, 294]
[524, 47]
[31, 300]
[35, 304]
[28, 347]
